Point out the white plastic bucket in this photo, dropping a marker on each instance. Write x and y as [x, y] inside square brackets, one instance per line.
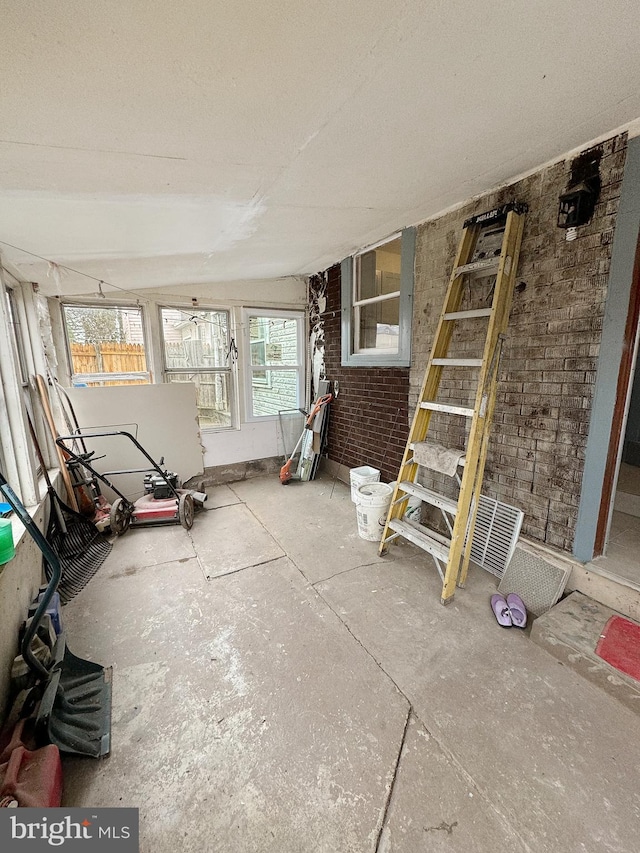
[360, 476]
[372, 507]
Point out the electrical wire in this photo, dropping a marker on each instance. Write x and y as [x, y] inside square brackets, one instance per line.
[103, 282]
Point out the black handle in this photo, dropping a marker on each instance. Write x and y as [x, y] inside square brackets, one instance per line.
[52, 559]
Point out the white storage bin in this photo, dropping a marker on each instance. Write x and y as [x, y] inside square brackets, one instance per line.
[360, 477]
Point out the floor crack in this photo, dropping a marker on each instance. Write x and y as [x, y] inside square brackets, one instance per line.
[506, 821]
[358, 641]
[344, 572]
[396, 768]
[244, 568]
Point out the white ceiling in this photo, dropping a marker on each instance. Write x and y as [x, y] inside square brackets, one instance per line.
[160, 143]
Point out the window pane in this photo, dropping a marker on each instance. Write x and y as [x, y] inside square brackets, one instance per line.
[195, 338]
[14, 324]
[274, 341]
[95, 382]
[379, 325]
[276, 392]
[378, 271]
[213, 396]
[106, 340]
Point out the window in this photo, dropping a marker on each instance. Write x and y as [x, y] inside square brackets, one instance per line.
[377, 298]
[258, 334]
[274, 341]
[106, 345]
[198, 348]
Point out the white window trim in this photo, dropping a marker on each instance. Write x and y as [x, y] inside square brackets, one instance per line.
[17, 450]
[231, 369]
[249, 369]
[265, 383]
[349, 308]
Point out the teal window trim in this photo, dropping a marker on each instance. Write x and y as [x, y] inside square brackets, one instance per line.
[403, 357]
[625, 242]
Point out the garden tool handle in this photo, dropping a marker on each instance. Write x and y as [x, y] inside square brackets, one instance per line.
[50, 556]
[319, 403]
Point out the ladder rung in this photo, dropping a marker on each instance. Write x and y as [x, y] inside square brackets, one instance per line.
[433, 534]
[485, 265]
[429, 496]
[468, 315]
[423, 540]
[457, 362]
[451, 410]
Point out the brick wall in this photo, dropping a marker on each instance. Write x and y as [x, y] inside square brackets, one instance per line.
[536, 451]
[369, 419]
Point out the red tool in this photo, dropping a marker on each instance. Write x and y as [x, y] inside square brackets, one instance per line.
[285, 472]
[32, 779]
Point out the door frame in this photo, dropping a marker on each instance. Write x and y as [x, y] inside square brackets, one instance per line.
[610, 398]
[620, 411]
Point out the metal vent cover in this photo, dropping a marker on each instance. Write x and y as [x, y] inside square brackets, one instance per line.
[538, 582]
[496, 534]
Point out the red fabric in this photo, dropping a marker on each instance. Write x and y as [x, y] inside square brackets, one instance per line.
[619, 645]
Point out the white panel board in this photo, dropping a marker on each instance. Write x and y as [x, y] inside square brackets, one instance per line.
[163, 418]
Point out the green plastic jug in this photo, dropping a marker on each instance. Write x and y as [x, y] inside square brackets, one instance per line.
[7, 551]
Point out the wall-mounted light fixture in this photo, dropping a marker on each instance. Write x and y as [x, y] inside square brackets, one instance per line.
[577, 205]
[578, 201]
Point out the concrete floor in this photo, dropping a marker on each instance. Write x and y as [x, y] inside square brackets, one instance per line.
[621, 557]
[278, 687]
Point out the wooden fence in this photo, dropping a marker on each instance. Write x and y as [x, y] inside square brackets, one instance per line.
[212, 389]
[109, 357]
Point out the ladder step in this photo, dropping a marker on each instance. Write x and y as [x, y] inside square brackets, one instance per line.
[468, 315]
[451, 410]
[485, 265]
[429, 496]
[422, 539]
[457, 362]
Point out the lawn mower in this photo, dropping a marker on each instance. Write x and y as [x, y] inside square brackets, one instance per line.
[163, 502]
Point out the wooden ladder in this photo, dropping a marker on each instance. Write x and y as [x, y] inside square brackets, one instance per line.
[490, 246]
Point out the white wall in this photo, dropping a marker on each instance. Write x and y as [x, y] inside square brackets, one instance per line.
[248, 441]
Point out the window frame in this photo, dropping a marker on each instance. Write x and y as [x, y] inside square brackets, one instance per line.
[265, 381]
[16, 322]
[18, 359]
[228, 369]
[86, 378]
[350, 305]
[250, 369]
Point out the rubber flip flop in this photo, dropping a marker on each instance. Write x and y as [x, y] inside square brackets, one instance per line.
[501, 610]
[517, 610]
